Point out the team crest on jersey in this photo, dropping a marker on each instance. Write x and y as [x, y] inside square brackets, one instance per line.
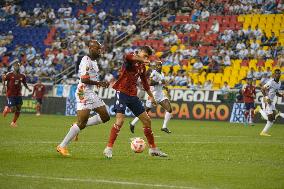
[87, 68]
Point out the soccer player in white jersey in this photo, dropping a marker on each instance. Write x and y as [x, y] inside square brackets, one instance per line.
[87, 99]
[268, 111]
[157, 83]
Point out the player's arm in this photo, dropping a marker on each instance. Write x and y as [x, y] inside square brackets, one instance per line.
[146, 87]
[34, 89]
[279, 94]
[25, 84]
[4, 78]
[86, 80]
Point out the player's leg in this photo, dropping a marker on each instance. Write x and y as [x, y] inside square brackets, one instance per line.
[10, 106]
[246, 114]
[251, 115]
[113, 134]
[38, 106]
[82, 119]
[261, 109]
[138, 110]
[136, 119]
[153, 150]
[168, 115]
[271, 113]
[17, 110]
[119, 108]
[102, 116]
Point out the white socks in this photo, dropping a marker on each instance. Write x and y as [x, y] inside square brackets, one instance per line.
[95, 120]
[267, 126]
[263, 114]
[167, 118]
[134, 121]
[74, 130]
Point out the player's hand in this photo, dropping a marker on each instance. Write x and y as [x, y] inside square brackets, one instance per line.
[103, 84]
[154, 103]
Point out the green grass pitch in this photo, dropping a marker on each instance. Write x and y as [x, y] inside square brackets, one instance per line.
[201, 155]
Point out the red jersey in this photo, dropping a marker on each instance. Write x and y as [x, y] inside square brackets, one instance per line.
[249, 93]
[14, 83]
[39, 90]
[129, 74]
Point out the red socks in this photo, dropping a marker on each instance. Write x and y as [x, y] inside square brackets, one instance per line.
[113, 134]
[150, 137]
[16, 116]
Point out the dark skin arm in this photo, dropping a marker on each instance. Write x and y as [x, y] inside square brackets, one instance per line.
[27, 87]
[97, 83]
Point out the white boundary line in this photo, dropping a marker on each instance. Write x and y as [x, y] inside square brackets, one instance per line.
[102, 181]
[181, 142]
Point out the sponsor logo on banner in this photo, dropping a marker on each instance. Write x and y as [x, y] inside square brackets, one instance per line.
[237, 115]
[29, 106]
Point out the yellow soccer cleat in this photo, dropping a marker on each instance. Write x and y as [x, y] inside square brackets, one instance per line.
[62, 151]
[256, 110]
[264, 134]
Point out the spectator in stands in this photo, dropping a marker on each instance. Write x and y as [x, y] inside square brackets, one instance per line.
[265, 78]
[280, 61]
[204, 15]
[225, 89]
[258, 74]
[198, 86]
[207, 85]
[191, 85]
[268, 72]
[251, 73]
[257, 32]
[171, 39]
[197, 66]
[272, 41]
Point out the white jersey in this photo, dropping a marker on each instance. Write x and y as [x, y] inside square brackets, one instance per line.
[272, 86]
[85, 95]
[157, 77]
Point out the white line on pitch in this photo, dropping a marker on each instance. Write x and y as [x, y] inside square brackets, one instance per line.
[95, 181]
[170, 142]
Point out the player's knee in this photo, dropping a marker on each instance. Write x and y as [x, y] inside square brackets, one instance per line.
[105, 118]
[147, 122]
[271, 118]
[170, 110]
[82, 125]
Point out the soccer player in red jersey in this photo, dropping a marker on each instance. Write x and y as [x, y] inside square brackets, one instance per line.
[13, 81]
[249, 96]
[38, 93]
[126, 96]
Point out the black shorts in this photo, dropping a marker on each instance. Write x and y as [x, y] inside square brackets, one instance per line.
[123, 100]
[249, 105]
[14, 101]
[39, 100]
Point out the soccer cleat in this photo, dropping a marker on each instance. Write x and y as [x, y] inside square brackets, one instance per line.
[6, 111]
[63, 151]
[166, 130]
[131, 127]
[13, 124]
[108, 152]
[157, 152]
[264, 134]
[256, 110]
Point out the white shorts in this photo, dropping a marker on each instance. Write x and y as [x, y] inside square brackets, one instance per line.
[159, 97]
[90, 102]
[268, 108]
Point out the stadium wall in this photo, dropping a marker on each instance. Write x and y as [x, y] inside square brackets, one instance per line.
[187, 104]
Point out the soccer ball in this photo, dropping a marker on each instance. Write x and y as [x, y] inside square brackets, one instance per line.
[138, 145]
